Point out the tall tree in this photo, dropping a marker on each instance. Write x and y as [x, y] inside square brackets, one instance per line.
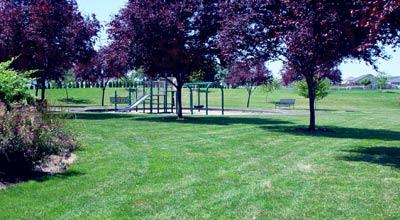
[105, 65]
[320, 34]
[46, 35]
[314, 36]
[174, 38]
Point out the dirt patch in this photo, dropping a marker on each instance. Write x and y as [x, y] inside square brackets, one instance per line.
[268, 185]
[304, 168]
[55, 164]
[2, 186]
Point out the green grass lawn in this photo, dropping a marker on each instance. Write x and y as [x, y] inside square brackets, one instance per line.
[154, 167]
[237, 98]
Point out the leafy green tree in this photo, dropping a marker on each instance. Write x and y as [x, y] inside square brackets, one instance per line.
[221, 73]
[321, 89]
[13, 85]
[68, 79]
[381, 80]
[197, 76]
[270, 87]
[366, 82]
[133, 75]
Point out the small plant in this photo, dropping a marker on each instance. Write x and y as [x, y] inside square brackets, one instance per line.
[221, 73]
[382, 80]
[197, 76]
[270, 87]
[27, 138]
[366, 82]
[68, 79]
[321, 89]
[13, 85]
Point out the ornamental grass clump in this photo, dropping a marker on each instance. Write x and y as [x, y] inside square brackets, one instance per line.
[27, 139]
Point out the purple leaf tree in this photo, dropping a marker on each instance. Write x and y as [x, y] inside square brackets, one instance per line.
[314, 36]
[46, 36]
[250, 31]
[250, 75]
[321, 34]
[173, 38]
[249, 36]
[105, 65]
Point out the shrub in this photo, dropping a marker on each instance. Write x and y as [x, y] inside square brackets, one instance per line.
[321, 90]
[13, 85]
[27, 139]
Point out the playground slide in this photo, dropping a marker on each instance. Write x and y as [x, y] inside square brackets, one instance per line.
[137, 103]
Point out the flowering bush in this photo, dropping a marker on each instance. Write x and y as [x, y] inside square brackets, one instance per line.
[27, 138]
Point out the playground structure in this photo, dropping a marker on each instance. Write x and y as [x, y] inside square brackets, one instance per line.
[198, 87]
[152, 96]
[159, 96]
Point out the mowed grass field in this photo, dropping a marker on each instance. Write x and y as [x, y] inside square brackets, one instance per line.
[338, 100]
[155, 167]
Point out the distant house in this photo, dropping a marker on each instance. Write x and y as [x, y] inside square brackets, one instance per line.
[359, 81]
[394, 80]
[33, 83]
[348, 81]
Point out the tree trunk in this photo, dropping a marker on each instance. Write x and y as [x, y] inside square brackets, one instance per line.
[103, 95]
[66, 92]
[248, 98]
[179, 101]
[311, 95]
[37, 89]
[43, 85]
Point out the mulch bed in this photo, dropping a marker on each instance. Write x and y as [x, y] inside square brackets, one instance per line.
[56, 164]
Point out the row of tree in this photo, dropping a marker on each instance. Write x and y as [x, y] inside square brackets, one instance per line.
[46, 36]
[178, 38]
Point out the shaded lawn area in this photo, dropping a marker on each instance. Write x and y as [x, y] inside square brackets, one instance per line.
[154, 167]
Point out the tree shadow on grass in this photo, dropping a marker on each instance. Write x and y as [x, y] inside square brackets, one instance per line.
[38, 177]
[100, 116]
[204, 120]
[339, 132]
[66, 175]
[75, 101]
[385, 156]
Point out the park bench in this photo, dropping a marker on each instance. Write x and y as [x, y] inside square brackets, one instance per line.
[285, 103]
[198, 107]
[119, 100]
[116, 100]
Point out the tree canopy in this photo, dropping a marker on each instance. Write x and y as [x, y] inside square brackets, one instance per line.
[174, 38]
[45, 35]
[321, 34]
[314, 36]
[104, 65]
[250, 75]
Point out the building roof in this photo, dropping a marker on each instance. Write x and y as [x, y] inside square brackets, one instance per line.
[358, 79]
[394, 79]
